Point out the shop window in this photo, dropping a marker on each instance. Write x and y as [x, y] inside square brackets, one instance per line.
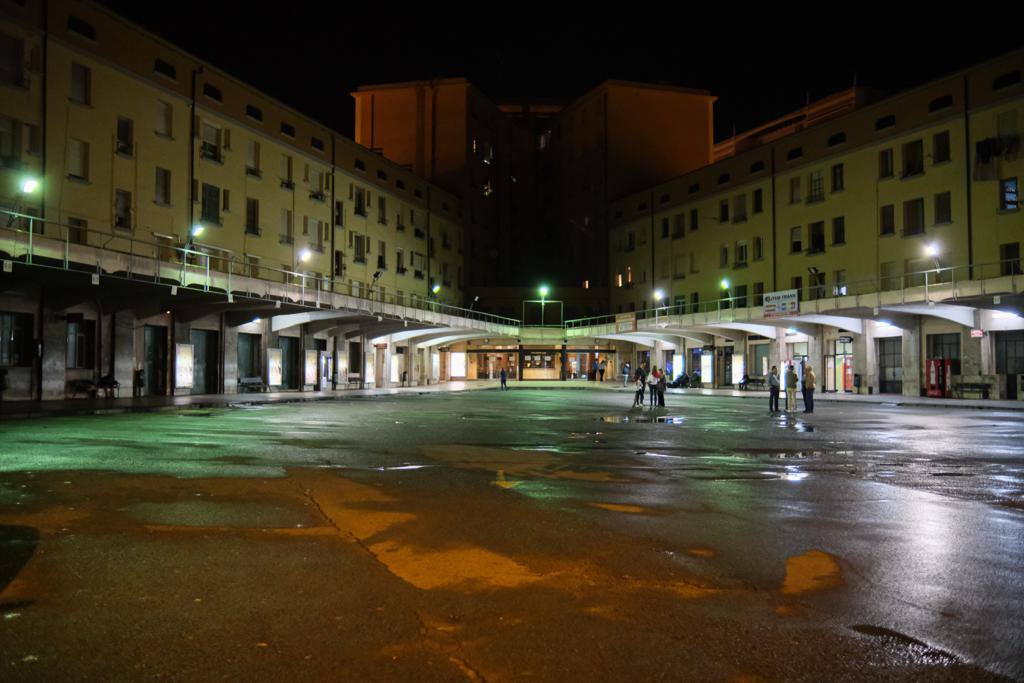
[81, 340]
[15, 339]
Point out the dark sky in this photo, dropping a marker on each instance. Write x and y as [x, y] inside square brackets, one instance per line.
[311, 55]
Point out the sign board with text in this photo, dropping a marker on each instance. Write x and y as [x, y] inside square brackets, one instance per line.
[183, 366]
[781, 304]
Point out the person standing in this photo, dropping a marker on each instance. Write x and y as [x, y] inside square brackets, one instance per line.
[791, 382]
[652, 385]
[809, 384]
[662, 386]
[773, 390]
[504, 379]
[600, 370]
[638, 395]
[625, 373]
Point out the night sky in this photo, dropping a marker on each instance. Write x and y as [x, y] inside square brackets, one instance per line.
[760, 67]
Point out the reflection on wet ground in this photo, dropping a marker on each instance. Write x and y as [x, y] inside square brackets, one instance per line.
[498, 536]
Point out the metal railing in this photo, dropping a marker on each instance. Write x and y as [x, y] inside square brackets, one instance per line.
[934, 285]
[48, 244]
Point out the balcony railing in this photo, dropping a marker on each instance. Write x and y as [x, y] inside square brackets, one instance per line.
[28, 241]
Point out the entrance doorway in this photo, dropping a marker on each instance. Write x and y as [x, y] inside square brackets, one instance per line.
[890, 365]
[839, 367]
[289, 362]
[249, 355]
[1010, 359]
[205, 361]
[154, 359]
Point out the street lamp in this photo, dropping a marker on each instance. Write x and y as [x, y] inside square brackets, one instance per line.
[474, 302]
[932, 251]
[724, 284]
[544, 291]
[28, 185]
[436, 288]
[659, 296]
[305, 255]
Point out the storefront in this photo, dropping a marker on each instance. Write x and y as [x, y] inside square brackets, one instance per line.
[890, 365]
[541, 364]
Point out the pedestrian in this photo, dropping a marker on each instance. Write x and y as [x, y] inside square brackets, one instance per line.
[638, 395]
[773, 390]
[504, 379]
[652, 385]
[791, 382]
[625, 374]
[600, 370]
[809, 383]
[662, 386]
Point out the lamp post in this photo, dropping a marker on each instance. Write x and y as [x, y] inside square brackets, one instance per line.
[27, 186]
[659, 296]
[931, 250]
[724, 284]
[543, 290]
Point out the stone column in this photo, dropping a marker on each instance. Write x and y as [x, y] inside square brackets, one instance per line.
[911, 352]
[230, 360]
[55, 349]
[123, 350]
[412, 363]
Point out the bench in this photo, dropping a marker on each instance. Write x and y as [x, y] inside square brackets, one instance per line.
[752, 382]
[252, 384]
[981, 388]
[108, 385]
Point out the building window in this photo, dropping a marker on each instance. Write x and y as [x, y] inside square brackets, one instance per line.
[316, 143]
[758, 201]
[78, 159]
[693, 220]
[794, 153]
[759, 294]
[756, 167]
[816, 236]
[913, 217]
[1006, 80]
[794, 190]
[165, 69]
[940, 103]
[723, 179]
[758, 248]
[254, 113]
[81, 344]
[885, 168]
[211, 139]
[81, 85]
[739, 208]
[885, 122]
[741, 254]
[943, 208]
[723, 211]
[940, 147]
[839, 230]
[10, 143]
[679, 226]
[797, 283]
[741, 296]
[796, 244]
[252, 216]
[816, 187]
[887, 220]
[1009, 258]
[693, 189]
[839, 288]
[15, 339]
[838, 183]
[1009, 197]
[816, 285]
[889, 278]
[123, 209]
[723, 256]
[287, 227]
[125, 136]
[211, 203]
[339, 213]
[382, 211]
[163, 118]
[359, 197]
[162, 193]
[664, 228]
[81, 27]
[213, 92]
[252, 158]
[288, 129]
[286, 171]
[836, 139]
[78, 230]
[913, 158]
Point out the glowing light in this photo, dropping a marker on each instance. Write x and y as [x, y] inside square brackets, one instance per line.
[659, 295]
[544, 291]
[305, 255]
[197, 230]
[931, 250]
[436, 288]
[29, 185]
[725, 283]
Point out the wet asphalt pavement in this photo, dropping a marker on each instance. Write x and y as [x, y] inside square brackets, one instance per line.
[533, 534]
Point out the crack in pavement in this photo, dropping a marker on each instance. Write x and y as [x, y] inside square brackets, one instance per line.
[451, 647]
[358, 541]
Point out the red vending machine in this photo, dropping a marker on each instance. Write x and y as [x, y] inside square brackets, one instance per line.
[939, 377]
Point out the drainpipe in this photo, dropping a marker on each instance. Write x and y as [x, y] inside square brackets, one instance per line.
[654, 280]
[334, 229]
[192, 152]
[43, 127]
[967, 181]
[775, 283]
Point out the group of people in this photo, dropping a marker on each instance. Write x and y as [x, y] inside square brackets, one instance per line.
[792, 382]
[654, 383]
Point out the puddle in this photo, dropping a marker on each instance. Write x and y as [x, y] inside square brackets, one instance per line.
[209, 514]
[643, 419]
[813, 571]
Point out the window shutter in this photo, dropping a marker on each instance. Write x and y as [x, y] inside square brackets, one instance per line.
[227, 138]
[227, 204]
[195, 190]
[351, 191]
[305, 225]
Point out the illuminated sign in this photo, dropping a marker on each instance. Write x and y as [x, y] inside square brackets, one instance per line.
[311, 366]
[625, 322]
[274, 367]
[977, 334]
[183, 366]
[781, 304]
